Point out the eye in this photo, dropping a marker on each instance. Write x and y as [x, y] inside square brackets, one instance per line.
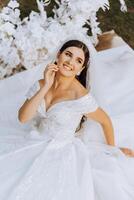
[67, 54]
[79, 61]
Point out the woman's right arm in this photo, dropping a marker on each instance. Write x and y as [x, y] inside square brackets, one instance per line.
[30, 106]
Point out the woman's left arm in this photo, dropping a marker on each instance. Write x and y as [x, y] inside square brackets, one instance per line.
[101, 116]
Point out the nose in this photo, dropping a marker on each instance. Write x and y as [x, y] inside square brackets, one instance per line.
[71, 61]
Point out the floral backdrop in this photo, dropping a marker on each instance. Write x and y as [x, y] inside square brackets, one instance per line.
[27, 42]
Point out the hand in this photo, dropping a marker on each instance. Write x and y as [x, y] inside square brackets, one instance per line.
[127, 152]
[49, 74]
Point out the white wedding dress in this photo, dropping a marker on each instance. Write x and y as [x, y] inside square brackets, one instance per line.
[52, 163]
[49, 163]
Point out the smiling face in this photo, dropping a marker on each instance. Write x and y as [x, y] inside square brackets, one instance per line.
[71, 61]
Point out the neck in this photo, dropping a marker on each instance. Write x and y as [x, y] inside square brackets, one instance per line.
[61, 82]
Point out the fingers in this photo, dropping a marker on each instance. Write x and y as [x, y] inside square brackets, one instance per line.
[127, 152]
[52, 67]
[49, 66]
[131, 153]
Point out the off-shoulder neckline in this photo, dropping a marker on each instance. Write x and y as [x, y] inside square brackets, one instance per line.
[60, 102]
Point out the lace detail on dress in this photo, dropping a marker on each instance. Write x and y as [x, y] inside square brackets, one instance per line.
[87, 104]
[59, 125]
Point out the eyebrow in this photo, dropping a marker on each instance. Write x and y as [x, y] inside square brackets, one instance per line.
[78, 57]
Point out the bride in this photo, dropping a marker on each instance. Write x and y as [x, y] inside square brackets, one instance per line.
[56, 164]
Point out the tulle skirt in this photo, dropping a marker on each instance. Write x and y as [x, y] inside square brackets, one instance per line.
[35, 169]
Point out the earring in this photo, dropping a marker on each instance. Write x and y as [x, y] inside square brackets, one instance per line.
[78, 74]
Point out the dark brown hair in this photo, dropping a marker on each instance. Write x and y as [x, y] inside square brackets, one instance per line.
[82, 77]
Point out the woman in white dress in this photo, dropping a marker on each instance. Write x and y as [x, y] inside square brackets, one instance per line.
[55, 164]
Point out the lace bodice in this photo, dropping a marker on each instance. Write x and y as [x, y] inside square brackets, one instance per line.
[61, 119]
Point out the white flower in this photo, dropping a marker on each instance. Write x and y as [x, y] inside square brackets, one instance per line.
[13, 4]
[8, 28]
[123, 6]
[32, 40]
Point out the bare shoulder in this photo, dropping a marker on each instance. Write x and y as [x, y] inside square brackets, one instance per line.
[80, 89]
